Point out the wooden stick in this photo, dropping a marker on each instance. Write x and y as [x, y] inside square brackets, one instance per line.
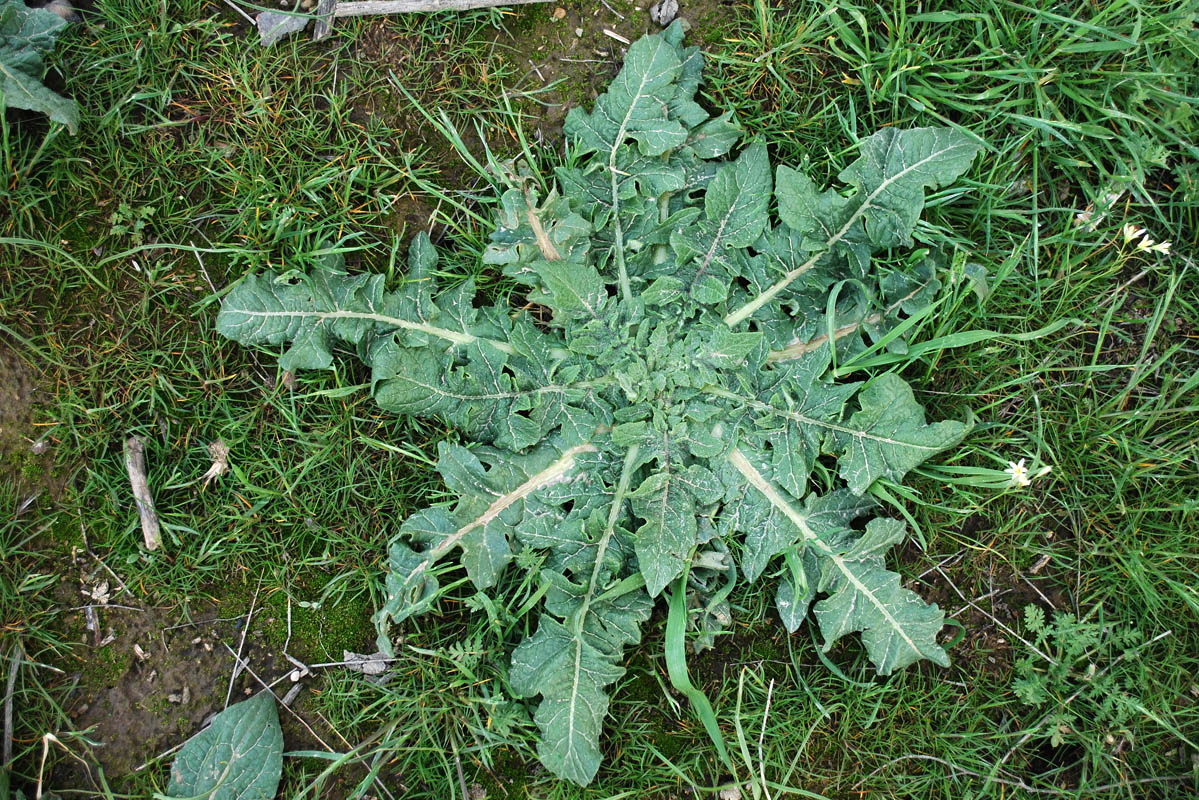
[366, 7]
[324, 19]
[14, 662]
[135, 465]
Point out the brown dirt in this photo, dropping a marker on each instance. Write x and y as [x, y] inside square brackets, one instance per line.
[567, 68]
[139, 706]
[16, 399]
[26, 461]
[563, 53]
[998, 593]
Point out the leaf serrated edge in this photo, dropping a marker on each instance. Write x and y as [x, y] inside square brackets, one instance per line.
[759, 482]
[734, 318]
[552, 474]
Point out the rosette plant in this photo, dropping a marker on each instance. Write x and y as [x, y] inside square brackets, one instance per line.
[667, 422]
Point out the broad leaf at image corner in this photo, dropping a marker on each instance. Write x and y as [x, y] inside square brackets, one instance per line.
[27, 34]
[239, 756]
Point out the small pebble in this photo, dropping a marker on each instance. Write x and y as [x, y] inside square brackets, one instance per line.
[579, 32]
[559, 13]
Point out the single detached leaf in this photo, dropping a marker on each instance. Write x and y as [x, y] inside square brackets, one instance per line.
[239, 756]
[27, 34]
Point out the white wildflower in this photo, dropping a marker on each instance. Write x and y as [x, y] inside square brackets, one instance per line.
[1146, 243]
[1019, 473]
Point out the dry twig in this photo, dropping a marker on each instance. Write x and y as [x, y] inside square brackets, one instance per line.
[367, 7]
[135, 465]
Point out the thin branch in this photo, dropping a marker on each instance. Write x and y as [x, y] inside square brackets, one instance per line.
[240, 646]
[371, 7]
[14, 662]
[135, 465]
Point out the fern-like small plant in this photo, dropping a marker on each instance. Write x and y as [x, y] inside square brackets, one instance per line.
[657, 430]
[1080, 670]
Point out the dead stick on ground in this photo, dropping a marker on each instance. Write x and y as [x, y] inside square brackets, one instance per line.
[267, 687]
[324, 17]
[135, 465]
[367, 7]
[15, 661]
[237, 665]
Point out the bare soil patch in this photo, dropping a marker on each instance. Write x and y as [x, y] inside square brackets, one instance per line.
[150, 677]
[19, 448]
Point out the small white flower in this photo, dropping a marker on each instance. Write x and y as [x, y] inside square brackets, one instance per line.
[1019, 473]
[1146, 243]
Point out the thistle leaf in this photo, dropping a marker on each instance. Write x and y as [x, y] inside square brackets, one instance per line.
[635, 105]
[26, 35]
[898, 628]
[664, 541]
[888, 436]
[894, 169]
